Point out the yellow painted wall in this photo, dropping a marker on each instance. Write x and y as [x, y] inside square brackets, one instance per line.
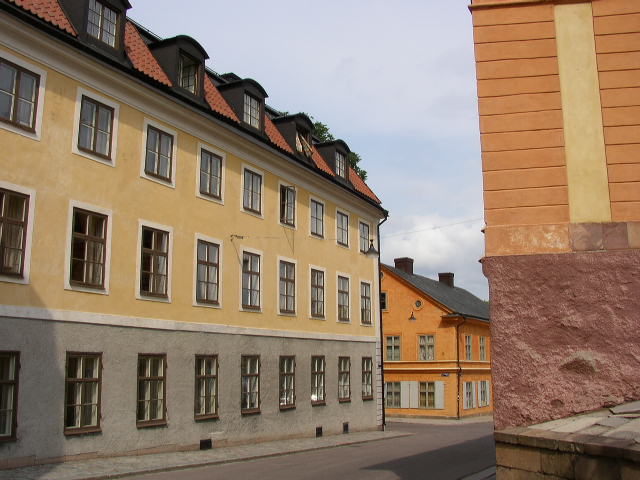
[49, 167]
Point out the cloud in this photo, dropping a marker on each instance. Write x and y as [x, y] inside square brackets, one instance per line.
[454, 247]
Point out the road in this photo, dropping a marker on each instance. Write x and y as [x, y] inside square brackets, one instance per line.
[431, 452]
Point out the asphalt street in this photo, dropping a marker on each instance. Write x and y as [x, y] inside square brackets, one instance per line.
[433, 451]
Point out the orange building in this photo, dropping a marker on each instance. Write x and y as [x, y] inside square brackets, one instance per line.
[437, 346]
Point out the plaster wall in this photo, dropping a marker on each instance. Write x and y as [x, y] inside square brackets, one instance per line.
[43, 345]
[565, 333]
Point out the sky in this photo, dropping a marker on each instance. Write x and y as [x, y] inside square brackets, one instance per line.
[394, 80]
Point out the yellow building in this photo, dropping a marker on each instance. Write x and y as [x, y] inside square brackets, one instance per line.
[437, 346]
[182, 265]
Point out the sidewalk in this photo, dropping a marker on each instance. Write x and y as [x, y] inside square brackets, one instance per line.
[442, 421]
[118, 467]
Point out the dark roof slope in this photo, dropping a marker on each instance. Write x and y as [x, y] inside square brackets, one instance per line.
[457, 299]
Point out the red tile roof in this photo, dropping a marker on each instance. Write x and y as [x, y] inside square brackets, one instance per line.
[274, 135]
[49, 11]
[320, 163]
[362, 187]
[140, 55]
[216, 101]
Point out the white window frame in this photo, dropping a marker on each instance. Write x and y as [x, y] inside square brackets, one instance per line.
[82, 92]
[107, 245]
[217, 241]
[37, 134]
[324, 215]
[386, 337]
[469, 403]
[426, 345]
[223, 162]
[371, 300]
[261, 254]
[368, 224]
[26, 265]
[295, 286]
[468, 347]
[262, 190]
[169, 230]
[174, 152]
[348, 277]
[343, 212]
[386, 294]
[484, 385]
[324, 271]
[295, 203]
[482, 348]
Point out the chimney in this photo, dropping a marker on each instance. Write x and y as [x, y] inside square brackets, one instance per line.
[405, 264]
[446, 278]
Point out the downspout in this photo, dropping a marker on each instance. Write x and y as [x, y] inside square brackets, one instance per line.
[458, 362]
[384, 420]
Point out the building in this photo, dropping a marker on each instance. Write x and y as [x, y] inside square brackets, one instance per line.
[182, 265]
[437, 346]
[559, 122]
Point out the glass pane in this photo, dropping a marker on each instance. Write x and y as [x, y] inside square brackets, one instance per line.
[102, 143]
[96, 226]
[85, 137]
[165, 145]
[15, 207]
[87, 112]
[7, 78]
[163, 168]
[150, 162]
[6, 105]
[7, 367]
[104, 119]
[202, 251]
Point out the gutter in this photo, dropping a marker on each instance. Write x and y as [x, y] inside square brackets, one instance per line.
[384, 419]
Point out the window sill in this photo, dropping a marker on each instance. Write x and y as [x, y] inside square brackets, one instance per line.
[343, 245]
[217, 305]
[346, 322]
[251, 411]
[151, 423]
[316, 236]
[77, 287]
[319, 403]
[366, 324]
[210, 198]
[287, 407]
[160, 180]
[70, 432]
[246, 309]
[13, 438]
[253, 213]
[288, 314]
[291, 226]
[14, 279]
[152, 298]
[206, 418]
[96, 157]
[368, 398]
[344, 400]
[318, 317]
[29, 133]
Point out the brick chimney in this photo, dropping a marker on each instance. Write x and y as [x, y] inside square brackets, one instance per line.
[446, 278]
[405, 264]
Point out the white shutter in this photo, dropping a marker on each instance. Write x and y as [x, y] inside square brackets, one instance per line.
[464, 395]
[439, 395]
[475, 394]
[488, 392]
[405, 388]
[413, 398]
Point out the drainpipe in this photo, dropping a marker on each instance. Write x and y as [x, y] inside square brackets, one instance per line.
[384, 419]
[458, 362]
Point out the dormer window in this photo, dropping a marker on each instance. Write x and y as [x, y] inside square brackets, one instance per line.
[303, 145]
[101, 23]
[252, 111]
[188, 73]
[341, 165]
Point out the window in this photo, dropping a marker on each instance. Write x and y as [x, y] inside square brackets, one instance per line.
[96, 126]
[367, 378]
[468, 395]
[207, 272]
[287, 287]
[383, 301]
[426, 347]
[317, 380]
[317, 218]
[287, 382]
[88, 249]
[210, 174]
[102, 23]
[392, 394]
[288, 205]
[14, 208]
[82, 392]
[393, 348]
[365, 303]
[427, 394]
[159, 154]
[18, 95]
[467, 347]
[344, 379]
[154, 262]
[317, 293]
[343, 299]
[151, 390]
[483, 349]
[9, 366]
[364, 237]
[250, 280]
[342, 228]
[252, 191]
[484, 393]
[341, 165]
[188, 73]
[206, 404]
[252, 111]
[250, 377]
[303, 144]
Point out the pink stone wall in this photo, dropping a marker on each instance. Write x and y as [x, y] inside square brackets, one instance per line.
[565, 333]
